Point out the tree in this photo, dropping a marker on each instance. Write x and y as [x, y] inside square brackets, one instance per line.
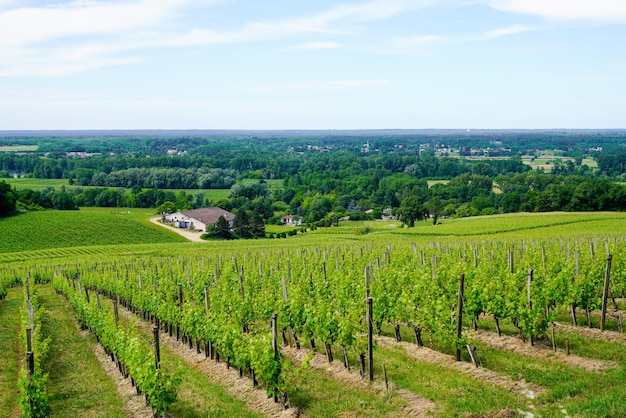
[242, 224]
[257, 226]
[411, 210]
[222, 228]
[7, 199]
[166, 207]
[224, 204]
[62, 200]
[435, 207]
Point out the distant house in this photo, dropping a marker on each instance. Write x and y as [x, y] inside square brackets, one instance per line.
[291, 220]
[388, 215]
[198, 219]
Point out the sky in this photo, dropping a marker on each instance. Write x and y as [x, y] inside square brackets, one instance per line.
[323, 64]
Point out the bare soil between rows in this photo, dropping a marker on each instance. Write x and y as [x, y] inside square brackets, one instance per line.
[539, 351]
[593, 333]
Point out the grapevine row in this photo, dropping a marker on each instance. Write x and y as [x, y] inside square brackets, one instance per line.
[134, 357]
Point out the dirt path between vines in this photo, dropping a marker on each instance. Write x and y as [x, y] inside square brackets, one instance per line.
[255, 399]
[193, 236]
[515, 345]
[594, 333]
[426, 355]
[416, 405]
[135, 405]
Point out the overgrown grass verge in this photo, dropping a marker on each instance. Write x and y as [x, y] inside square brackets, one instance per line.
[78, 385]
[9, 358]
[455, 394]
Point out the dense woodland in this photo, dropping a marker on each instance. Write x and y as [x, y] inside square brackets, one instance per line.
[324, 176]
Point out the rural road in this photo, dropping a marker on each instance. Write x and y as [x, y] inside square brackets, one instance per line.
[193, 236]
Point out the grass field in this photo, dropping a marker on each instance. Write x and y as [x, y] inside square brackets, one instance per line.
[18, 148]
[80, 388]
[9, 326]
[39, 184]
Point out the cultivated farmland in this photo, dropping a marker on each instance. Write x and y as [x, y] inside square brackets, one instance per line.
[288, 318]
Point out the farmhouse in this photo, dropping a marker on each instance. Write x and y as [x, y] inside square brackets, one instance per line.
[198, 219]
[291, 220]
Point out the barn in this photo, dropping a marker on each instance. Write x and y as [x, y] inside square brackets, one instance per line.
[198, 219]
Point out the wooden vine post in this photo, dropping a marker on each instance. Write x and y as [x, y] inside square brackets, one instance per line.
[605, 293]
[180, 308]
[370, 339]
[116, 313]
[30, 356]
[459, 317]
[157, 348]
[530, 301]
[275, 343]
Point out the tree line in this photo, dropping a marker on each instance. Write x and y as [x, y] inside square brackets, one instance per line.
[323, 178]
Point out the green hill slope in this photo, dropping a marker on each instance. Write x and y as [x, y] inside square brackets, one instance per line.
[86, 227]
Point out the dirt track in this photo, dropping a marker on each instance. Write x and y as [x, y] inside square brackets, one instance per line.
[193, 236]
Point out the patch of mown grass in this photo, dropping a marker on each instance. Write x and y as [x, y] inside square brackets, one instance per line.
[318, 394]
[78, 385]
[454, 392]
[56, 229]
[572, 388]
[9, 354]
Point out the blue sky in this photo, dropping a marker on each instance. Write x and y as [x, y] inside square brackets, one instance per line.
[279, 64]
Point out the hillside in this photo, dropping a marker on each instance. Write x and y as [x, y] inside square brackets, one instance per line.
[85, 227]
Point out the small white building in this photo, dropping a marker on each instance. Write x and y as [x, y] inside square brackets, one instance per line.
[291, 220]
[198, 219]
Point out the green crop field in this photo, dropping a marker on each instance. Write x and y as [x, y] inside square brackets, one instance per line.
[37, 184]
[88, 226]
[225, 292]
[18, 148]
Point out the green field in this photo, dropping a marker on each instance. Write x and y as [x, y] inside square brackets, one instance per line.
[18, 148]
[123, 249]
[86, 227]
[547, 159]
[39, 184]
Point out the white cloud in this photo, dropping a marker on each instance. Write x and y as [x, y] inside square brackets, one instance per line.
[323, 85]
[83, 34]
[315, 45]
[25, 26]
[424, 43]
[594, 10]
[506, 31]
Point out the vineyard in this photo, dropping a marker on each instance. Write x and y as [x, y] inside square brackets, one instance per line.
[500, 316]
[89, 226]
